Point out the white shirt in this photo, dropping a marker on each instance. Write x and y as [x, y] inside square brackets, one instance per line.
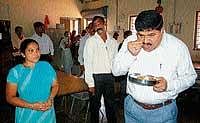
[98, 56]
[81, 48]
[171, 60]
[45, 43]
[16, 42]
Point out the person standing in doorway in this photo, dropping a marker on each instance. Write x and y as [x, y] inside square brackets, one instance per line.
[66, 55]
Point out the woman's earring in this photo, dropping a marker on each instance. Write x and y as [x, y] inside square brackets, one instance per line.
[22, 55]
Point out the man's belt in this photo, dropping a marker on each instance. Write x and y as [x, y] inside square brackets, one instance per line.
[153, 106]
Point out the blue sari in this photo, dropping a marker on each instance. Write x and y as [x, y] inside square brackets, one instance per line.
[33, 85]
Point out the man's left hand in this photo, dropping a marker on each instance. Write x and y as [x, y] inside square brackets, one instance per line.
[161, 85]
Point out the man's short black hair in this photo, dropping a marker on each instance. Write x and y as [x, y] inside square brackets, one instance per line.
[115, 34]
[127, 33]
[38, 24]
[149, 20]
[66, 32]
[18, 28]
[98, 17]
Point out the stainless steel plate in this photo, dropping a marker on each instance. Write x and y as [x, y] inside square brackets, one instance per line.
[137, 79]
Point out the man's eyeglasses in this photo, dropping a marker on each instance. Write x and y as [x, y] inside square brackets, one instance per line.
[148, 35]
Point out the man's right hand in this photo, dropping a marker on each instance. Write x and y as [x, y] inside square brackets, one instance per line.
[134, 47]
[82, 69]
[92, 90]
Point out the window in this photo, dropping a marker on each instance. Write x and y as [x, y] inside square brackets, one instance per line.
[88, 14]
[75, 25]
[87, 22]
[71, 23]
[197, 32]
[132, 23]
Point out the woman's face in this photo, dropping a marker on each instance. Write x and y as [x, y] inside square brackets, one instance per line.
[32, 53]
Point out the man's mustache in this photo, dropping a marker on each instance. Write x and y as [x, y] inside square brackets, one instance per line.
[99, 30]
[146, 43]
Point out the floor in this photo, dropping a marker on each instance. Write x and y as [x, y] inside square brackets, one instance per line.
[78, 113]
[188, 104]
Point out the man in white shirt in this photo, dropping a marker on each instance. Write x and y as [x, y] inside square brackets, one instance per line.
[90, 32]
[154, 52]
[45, 43]
[98, 54]
[18, 38]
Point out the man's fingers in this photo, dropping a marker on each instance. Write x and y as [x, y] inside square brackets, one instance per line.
[157, 89]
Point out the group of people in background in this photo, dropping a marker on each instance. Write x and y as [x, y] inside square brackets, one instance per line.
[150, 51]
[46, 44]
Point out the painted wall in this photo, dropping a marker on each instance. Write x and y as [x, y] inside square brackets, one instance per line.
[26, 12]
[178, 11]
[185, 11]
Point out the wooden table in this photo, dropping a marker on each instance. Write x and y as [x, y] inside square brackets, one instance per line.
[69, 84]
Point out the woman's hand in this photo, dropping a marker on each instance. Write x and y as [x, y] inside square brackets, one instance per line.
[38, 106]
[42, 106]
[48, 104]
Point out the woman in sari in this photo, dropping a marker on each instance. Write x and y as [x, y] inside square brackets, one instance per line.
[35, 83]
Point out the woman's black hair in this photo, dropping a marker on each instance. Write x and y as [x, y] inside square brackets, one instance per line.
[149, 20]
[25, 44]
